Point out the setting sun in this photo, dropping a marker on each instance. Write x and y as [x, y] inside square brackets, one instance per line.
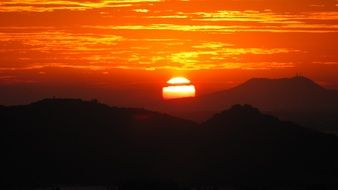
[179, 87]
[178, 81]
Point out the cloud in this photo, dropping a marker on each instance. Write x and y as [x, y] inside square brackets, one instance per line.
[167, 34]
[93, 51]
[52, 5]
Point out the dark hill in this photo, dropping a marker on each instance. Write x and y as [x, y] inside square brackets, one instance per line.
[78, 142]
[68, 141]
[246, 144]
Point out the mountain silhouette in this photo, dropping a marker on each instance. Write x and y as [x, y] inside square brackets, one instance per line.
[70, 141]
[297, 94]
[75, 142]
[297, 99]
[244, 143]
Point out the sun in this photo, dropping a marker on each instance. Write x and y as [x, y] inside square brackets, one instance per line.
[178, 80]
[178, 87]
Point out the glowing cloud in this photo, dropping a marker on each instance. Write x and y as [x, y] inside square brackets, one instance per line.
[154, 35]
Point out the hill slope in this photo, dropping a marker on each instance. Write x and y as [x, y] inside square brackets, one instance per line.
[78, 142]
[72, 141]
[244, 143]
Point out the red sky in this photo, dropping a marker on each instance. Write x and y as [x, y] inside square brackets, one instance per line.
[127, 48]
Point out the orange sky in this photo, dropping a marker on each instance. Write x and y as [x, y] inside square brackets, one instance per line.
[116, 43]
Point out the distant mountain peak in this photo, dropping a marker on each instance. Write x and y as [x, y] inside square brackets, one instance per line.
[293, 83]
[303, 79]
[291, 79]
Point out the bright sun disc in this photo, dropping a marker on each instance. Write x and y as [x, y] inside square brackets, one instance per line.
[178, 80]
[179, 87]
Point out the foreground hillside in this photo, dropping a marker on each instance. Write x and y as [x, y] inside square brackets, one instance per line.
[57, 141]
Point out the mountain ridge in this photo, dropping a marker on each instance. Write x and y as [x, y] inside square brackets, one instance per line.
[84, 142]
[293, 81]
[298, 99]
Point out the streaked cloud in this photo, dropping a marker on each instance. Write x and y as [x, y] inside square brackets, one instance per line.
[141, 10]
[167, 34]
[299, 28]
[93, 51]
[52, 5]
